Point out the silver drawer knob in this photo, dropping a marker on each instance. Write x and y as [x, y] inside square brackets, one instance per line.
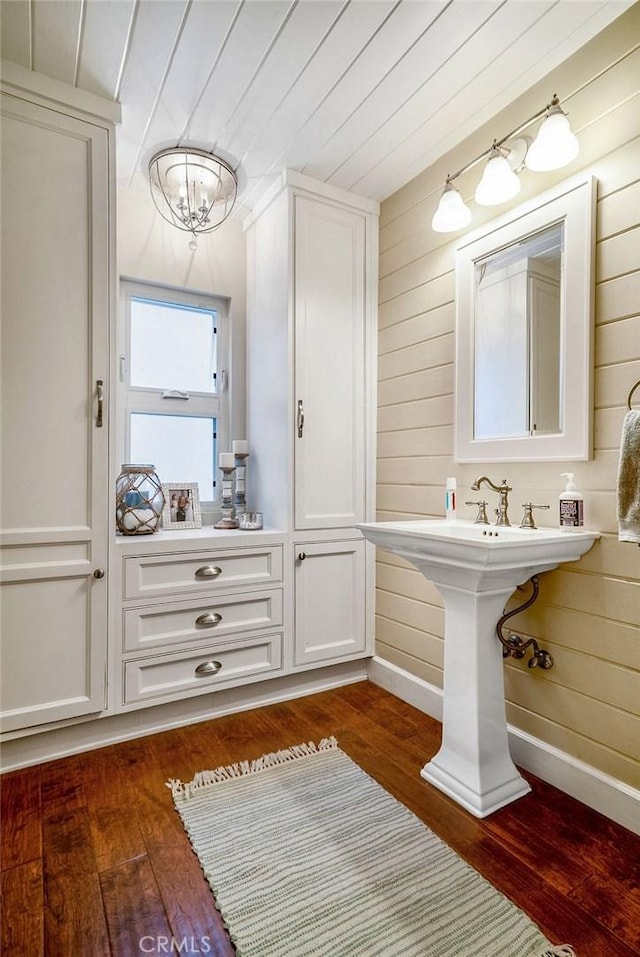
[209, 618]
[208, 668]
[98, 573]
[208, 571]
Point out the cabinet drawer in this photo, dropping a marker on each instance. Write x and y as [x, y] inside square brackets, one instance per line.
[190, 674]
[207, 618]
[208, 572]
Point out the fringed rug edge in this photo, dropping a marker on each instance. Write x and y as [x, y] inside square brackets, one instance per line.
[182, 791]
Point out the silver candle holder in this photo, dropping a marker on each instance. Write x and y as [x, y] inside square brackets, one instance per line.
[240, 497]
[227, 508]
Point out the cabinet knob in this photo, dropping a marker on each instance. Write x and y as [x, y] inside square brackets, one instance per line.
[98, 573]
[208, 571]
[209, 618]
[208, 668]
[301, 556]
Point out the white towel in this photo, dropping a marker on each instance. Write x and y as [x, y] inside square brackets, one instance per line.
[629, 479]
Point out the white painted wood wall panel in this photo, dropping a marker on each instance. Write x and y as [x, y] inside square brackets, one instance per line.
[192, 65]
[103, 49]
[397, 35]
[588, 614]
[357, 25]
[386, 106]
[56, 38]
[255, 32]
[15, 33]
[291, 53]
[435, 127]
[362, 93]
[157, 26]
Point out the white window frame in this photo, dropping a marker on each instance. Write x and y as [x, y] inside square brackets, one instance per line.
[134, 399]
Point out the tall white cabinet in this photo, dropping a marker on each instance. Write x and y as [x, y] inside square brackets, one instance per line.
[311, 273]
[57, 164]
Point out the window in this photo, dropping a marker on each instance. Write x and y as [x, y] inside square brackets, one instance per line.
[173, 370]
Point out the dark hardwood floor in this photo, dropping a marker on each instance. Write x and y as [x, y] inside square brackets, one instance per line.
[95, 860]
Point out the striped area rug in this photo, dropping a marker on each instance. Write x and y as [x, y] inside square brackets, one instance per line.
[307, 856]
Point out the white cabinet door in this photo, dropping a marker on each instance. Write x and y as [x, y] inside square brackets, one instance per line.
[329, 305]
[55, 494]
[329, 601]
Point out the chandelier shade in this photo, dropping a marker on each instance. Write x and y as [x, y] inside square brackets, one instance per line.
[192, 189]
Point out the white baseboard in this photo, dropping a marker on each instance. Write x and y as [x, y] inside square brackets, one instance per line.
[615, 799]
[100, 732]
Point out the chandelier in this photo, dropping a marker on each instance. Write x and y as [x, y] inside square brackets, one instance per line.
[192, 189]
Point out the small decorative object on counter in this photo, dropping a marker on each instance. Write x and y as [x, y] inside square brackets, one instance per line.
[227, 467]
[571, 504]
[240, 454]
[139, 500]
[450, 500]
[250, 521]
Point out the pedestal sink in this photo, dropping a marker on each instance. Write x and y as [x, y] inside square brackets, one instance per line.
[476, 568]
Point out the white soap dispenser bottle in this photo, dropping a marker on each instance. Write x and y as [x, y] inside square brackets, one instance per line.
[571, 505]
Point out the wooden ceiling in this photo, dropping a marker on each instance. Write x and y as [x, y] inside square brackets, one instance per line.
[362, 94]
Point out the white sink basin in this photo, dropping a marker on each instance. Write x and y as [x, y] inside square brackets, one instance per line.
[479, 556]
[476, 568]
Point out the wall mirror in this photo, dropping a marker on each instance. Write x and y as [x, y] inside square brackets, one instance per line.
[524, 331]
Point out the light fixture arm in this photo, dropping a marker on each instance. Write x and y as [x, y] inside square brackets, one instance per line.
[497, 144]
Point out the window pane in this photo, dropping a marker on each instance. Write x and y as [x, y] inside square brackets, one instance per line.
[181, 447]
[172, 347]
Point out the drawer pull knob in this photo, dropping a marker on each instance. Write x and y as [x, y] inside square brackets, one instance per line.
[209, 618]
[301, 556]
[208, 668]
[208, 571]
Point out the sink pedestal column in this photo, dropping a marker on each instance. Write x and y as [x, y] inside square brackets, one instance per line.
[474, 766]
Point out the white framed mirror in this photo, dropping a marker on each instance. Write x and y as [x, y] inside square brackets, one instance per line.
[524, 331]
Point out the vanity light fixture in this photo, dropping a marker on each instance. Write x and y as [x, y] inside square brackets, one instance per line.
[499, 182]
[452, 212]
[192, 189]
[554, 147]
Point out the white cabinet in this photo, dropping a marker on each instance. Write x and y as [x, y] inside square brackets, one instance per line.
[329, 372]
[311, 348]
[198, 619]
[57, 166]
[329, 601]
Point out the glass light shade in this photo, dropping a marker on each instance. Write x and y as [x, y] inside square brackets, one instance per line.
[452, 212]
[192, 189]
[554, 146]
[499, 183]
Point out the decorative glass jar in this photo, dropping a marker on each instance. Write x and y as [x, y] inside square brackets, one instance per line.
[139, 500]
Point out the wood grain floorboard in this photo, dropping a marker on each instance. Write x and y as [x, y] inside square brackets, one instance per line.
[96, 854]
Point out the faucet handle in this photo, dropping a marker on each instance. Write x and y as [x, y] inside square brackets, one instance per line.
[527, 518]
[481, 518]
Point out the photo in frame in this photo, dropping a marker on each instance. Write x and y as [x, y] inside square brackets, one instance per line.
[181, 506]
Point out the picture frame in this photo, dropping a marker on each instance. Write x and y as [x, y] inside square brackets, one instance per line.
[181, 506]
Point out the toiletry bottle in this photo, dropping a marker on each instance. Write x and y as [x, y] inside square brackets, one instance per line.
[450, 500]
[571, 505]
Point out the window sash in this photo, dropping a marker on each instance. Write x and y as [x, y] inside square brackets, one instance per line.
[136, 399]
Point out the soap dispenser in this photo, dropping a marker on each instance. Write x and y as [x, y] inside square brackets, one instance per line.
[571, 504]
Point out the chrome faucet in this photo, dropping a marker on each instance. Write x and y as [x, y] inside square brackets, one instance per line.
[503, 491]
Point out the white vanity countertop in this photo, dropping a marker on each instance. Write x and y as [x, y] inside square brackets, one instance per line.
[196, 538]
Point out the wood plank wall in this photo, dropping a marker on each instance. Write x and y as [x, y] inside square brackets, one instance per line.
[588, 614]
